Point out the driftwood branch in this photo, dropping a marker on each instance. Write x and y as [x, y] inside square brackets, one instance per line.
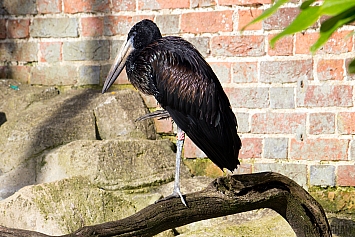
[224, 196]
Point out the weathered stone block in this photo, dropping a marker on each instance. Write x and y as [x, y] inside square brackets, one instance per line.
[54, 75]
[222, 71]
[352, 149]
[323, 175]
[19, 7]
[86, 50]
[89, 74]
[115, 48]
[18, 51]
[201, 44]
[168, 24]
[54, 27]
[248, 97]
[321, 123]
[243, 122]
[282, 97]
[49, 6]
[275, 148]
[296, 172]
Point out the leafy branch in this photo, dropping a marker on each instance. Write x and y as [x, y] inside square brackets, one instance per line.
[339, 13]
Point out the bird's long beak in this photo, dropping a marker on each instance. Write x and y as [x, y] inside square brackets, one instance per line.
[119, 63]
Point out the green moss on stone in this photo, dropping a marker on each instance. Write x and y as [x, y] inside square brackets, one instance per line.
[203, 167]
[76, 202]
[335, 199]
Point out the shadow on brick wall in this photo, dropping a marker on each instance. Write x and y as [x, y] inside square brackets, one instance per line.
[65, 120]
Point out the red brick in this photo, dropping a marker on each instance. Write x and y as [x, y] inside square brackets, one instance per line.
[346, 175]
[202, 3]
[244, 169]
[248, 97]
[2, 28]
[3, 71]
[164, 125]
[75, 6]
[49, 6]
[350, 76]
[210, 22]
[286, 71]
[123, 5]
[251, 148]
[92, 26]
[122, 79]
[162, 4]
[20, 73]
[191, 150]
[339, 43]
[244, 45]
[319, 149]
[17, 29]
[222, 71]
[282, 47]
[346, 122]
[245, 72]
[321, 123]
[278, 123]
[54, 74]
[50, 51]
[325, 96]
[330, 69]
[243, 2]
[120, 25]
[246, 16]
[149, 100]
[281, 19]
[304, 42]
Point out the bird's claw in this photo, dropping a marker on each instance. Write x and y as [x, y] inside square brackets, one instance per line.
[175, 194]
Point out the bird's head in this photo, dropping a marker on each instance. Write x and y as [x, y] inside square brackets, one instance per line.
[141, 35]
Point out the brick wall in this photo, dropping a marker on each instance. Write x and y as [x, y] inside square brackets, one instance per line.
[296, 111]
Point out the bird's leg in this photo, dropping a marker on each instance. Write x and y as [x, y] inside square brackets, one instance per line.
[179, 145]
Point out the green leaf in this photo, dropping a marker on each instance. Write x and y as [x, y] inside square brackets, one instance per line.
[306, 4]
[332, 25]
[268, 12]
[352, 66]
[335, 7]
[329, 23]
[305, 19]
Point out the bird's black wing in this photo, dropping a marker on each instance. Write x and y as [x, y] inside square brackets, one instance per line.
[185, 85]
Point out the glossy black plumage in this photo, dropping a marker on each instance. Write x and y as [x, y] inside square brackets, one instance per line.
[172, 70]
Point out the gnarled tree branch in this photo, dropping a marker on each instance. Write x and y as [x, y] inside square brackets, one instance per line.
[224, 196]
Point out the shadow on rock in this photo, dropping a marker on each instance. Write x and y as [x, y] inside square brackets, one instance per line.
[50, 119]
[2, 118]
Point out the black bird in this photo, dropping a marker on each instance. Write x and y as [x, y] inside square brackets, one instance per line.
[175, 73]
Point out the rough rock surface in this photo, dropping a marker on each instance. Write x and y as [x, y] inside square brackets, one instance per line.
[40, 119]
[75, 157]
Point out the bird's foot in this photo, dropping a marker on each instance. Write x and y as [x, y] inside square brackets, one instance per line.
[175, 194]
[160, 114]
